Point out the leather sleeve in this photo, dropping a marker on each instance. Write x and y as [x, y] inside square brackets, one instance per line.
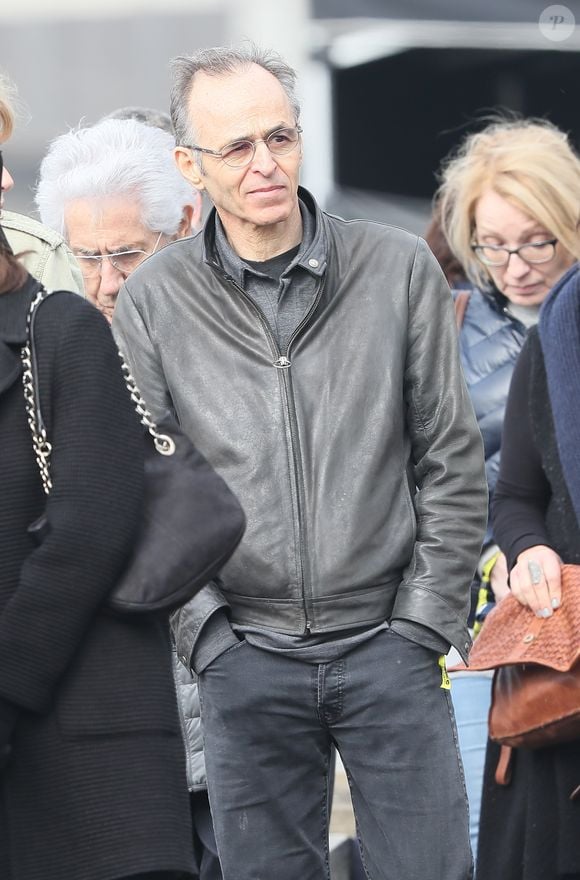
[137, 348]
[187, 623]
[448, 463]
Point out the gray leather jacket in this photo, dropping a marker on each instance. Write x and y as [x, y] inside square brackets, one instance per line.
[355, 452]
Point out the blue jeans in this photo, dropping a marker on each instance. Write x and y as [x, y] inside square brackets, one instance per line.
[471, 693]
[269, 722]
[204, 845]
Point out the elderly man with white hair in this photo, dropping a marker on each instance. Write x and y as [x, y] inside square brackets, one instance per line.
[112, 190]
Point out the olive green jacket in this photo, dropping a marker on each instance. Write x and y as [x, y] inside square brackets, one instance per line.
[44, 253]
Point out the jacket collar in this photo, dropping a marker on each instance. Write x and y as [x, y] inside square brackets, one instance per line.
[13, 313]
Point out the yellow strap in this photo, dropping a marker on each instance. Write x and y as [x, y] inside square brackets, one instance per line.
[483, 596]
[487, 568]
[482, 600]
[445, 680]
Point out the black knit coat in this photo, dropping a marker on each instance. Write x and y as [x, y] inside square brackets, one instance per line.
[530, 829]
[94, 787]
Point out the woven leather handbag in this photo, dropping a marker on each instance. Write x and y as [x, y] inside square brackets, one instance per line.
[191, 521]
[536, 684]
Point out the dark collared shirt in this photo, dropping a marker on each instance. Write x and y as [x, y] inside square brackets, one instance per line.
[286, 296]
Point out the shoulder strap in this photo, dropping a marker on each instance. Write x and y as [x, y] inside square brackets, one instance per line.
[461, 303]
[40, 442]
[503, 771]
[164, 444]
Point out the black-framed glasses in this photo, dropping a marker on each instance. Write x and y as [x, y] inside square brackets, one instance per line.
[124, 262]
[531, 252]
[240, 153]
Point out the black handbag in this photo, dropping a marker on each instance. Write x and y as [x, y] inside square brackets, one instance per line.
[191, 524]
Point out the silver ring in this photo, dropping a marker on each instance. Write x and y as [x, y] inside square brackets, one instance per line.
[535, 571]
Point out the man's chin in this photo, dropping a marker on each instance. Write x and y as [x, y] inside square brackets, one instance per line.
[272, 215]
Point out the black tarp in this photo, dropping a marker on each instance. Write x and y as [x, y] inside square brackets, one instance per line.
[398, 113]
[397, 117]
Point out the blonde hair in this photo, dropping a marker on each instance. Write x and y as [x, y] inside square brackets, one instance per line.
[12, 273]
[531, 164]
[7, 93]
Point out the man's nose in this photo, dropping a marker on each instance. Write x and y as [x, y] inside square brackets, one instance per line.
[111, 281]
[263, 160]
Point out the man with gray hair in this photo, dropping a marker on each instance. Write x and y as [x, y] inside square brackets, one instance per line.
[314, 362]
[113, 192]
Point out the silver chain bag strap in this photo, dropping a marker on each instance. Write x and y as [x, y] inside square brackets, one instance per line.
[191, 521]
[164, 444]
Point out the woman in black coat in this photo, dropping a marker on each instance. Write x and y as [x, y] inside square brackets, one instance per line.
[92, 775]
[532, 825]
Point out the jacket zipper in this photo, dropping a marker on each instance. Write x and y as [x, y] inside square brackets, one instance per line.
[299, 471]
[282, 364]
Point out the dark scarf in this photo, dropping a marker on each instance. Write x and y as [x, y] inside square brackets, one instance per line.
[560, 338]
[4, 246]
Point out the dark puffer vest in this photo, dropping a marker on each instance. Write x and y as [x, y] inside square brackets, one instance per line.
[490, 342]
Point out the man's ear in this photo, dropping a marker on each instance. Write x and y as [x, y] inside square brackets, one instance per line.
[187, 224]
[188, 166]
[196, 212]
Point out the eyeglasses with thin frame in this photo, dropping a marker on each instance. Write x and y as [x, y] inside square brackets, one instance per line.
[240, 153]
[531, 252]
[124, 262]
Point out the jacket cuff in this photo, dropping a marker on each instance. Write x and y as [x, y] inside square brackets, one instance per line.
[421, 635]
[524, 544]
[216, 637]
[189, 620]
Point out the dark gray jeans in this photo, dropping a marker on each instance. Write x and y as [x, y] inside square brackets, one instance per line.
[268, 726]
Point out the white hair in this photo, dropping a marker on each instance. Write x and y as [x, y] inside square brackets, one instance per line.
[115, 157]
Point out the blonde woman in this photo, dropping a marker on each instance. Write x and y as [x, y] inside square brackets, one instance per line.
[509, 202]
[44, 252]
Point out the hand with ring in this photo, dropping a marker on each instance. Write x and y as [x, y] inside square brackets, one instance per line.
[536, 581]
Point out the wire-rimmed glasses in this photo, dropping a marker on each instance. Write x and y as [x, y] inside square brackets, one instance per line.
[240, 153]
[124, 262]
